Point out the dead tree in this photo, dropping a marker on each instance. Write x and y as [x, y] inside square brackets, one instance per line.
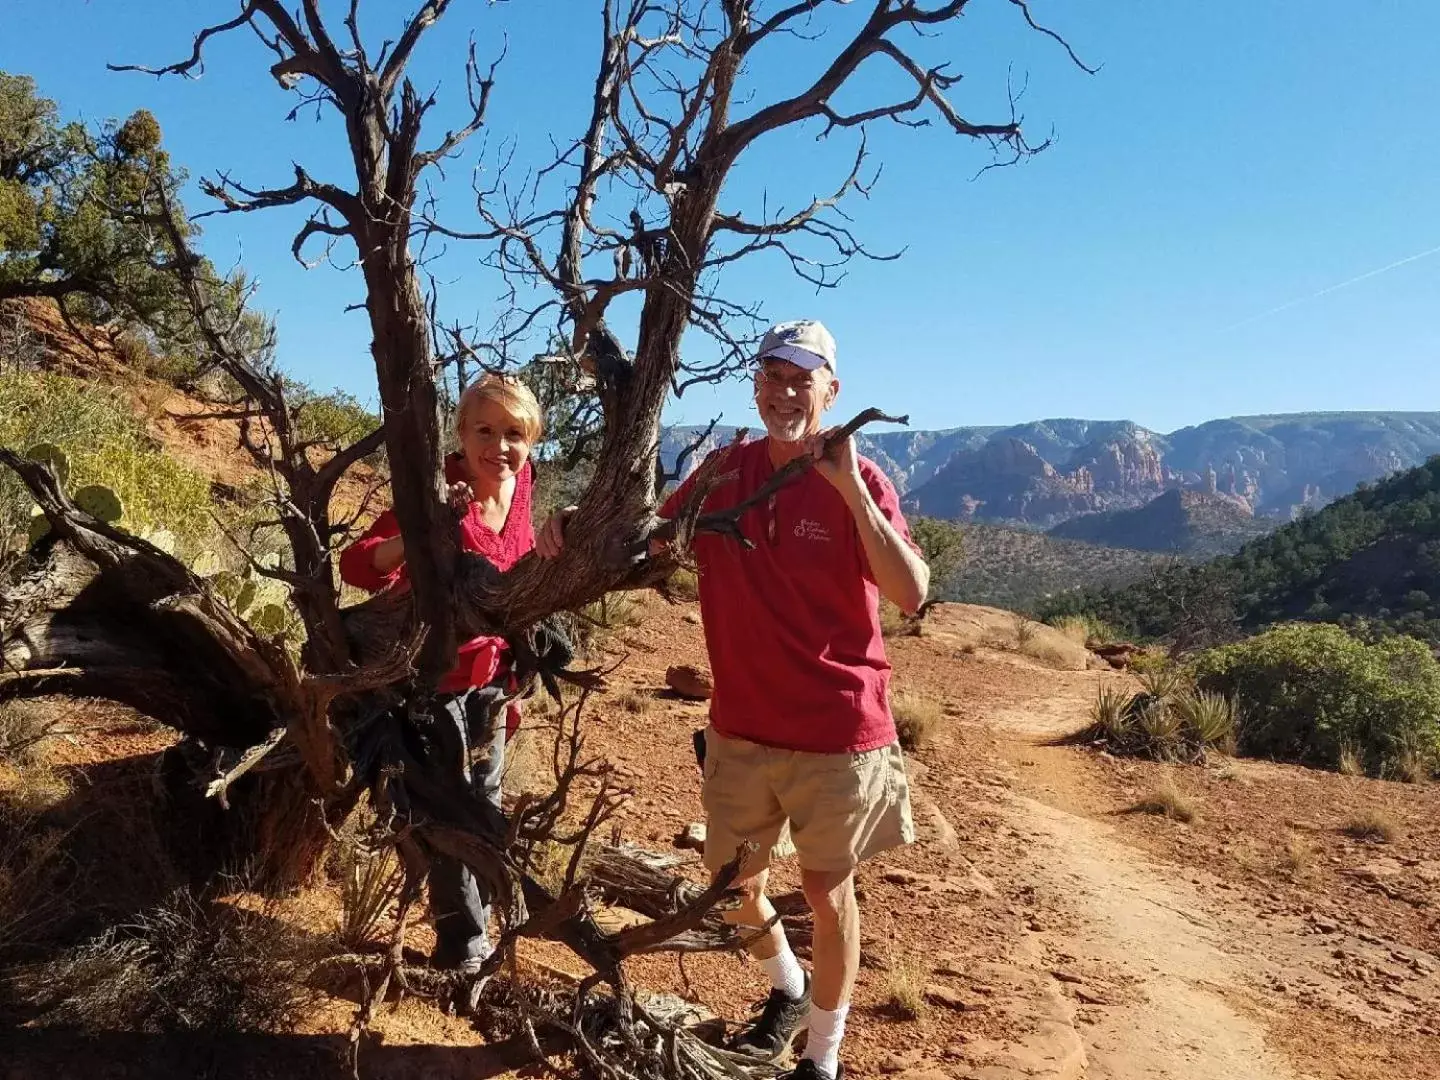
[670, 117]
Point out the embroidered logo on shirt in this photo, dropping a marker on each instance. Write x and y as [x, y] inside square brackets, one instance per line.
[808, 529]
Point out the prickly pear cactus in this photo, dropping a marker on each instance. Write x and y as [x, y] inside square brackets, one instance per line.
[163, 539]
[39, 525]
[261, 601]
[53, 456]
[245, 596]
[206, 564]
[101, 502]
[270, 620]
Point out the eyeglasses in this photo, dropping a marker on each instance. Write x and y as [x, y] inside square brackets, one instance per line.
[798, 384]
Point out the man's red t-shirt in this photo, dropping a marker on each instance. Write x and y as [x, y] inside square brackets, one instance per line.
[793, 625]
[481, 659]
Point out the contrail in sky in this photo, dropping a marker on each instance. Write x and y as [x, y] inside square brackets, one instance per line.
[1334, 288]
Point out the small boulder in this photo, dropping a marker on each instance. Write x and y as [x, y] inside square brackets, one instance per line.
[1118, 654]
[690, 681]
[950, 966]
[901, 1060]
[901, 877]
[947, 998]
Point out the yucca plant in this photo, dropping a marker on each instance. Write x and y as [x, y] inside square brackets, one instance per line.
[370, 881]
[1209, 718]
[1164, 683]
[1110, 714]
[1162, 727]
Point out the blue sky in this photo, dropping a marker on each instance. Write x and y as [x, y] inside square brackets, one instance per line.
[1230, 159]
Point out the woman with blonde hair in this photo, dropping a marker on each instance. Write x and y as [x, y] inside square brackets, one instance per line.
[491, 483]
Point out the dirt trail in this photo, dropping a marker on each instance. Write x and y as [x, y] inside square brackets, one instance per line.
[1148, 933]
[1166, 965]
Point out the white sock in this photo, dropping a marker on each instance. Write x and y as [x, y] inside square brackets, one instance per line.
[822, 1041]
[785, 972]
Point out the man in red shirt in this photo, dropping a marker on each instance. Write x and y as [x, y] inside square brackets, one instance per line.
[800, 728]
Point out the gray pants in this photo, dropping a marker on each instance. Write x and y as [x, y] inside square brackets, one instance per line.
[460, 903]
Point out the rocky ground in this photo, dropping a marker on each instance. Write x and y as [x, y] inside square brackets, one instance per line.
[1043, 930]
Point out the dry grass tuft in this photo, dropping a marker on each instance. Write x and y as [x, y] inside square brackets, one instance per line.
[1047, 652]
[905, 990]
[32, 789]
[185, 965]
[1351, 762]
[1373, 825]
[24, 725]
[549, 861]
[895, 623]
[613, 612]
[684, 584]
[1025, 628]
[1300, 855]
[33, 863]
[631, 701]
[1413, 764]
[1074, 627]
[917, 719]
[1167, 800]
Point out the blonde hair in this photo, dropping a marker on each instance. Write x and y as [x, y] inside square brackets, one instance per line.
[512, 395]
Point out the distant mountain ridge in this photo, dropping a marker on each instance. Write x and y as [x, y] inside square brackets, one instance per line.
[1049, 472]
[1371, 557]
[1194, 523]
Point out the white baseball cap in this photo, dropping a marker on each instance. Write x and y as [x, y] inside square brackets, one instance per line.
[804, 343]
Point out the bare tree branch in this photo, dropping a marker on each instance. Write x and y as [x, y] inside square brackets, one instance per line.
[196, 59]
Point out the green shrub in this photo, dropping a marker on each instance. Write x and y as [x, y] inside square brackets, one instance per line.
[105, 445]
[336, 418]
[1312, 693]
[943, 543]
[156, 490]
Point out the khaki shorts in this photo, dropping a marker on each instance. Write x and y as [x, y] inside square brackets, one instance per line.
[840, 809]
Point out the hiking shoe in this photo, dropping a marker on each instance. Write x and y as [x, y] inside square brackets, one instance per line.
[446, 959]
[808, 1070]
[778, 1020]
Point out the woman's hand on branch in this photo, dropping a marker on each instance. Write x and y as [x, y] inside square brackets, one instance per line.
[459, 495]
[552, 536]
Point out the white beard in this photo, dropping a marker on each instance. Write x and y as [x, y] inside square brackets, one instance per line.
[786, 430]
